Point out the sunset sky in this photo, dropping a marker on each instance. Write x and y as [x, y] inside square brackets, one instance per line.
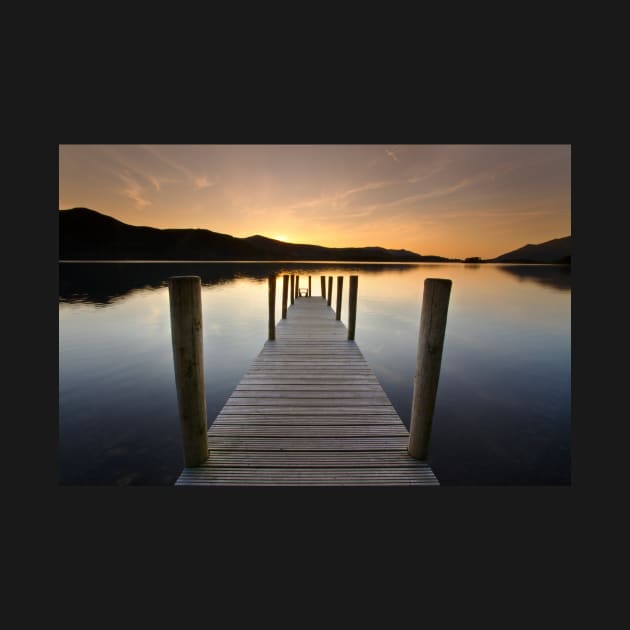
[450, 200]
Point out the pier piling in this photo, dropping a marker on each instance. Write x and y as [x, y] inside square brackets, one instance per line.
[352, 307]
[428, 362]
[285, 290]
[187, 340]
[339, 292]
[272, 307]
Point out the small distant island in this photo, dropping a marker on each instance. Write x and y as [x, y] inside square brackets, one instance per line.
[86, 234]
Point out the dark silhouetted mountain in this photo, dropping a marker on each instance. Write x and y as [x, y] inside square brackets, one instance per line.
[85, 234]
[557, 250]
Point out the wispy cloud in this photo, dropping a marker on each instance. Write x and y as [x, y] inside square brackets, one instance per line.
[438, 192]
[134, 191]
[341, 205]
[488, 175]
[427, 174]
[368, 186]
[202, 182]
[392, 155]
[411, 199]
[155, 181]
[199, 182]
[494, 214]
[134, 172]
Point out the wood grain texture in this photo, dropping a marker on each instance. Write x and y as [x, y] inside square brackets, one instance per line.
[272, 306]
[285, 295]
[339, 294]
[309, 411]
[187, 341]
[433, 317]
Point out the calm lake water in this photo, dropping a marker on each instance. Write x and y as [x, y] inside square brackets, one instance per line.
[503, 412]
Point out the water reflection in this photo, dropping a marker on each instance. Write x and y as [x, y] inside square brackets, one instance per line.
[553, 276]
[105, 283]
[503, 408]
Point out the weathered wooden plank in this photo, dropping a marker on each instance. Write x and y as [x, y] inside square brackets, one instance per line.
[308, 387]
[364, 392]
[315, 381]
[229, 443]
[338, 368]
[308, 418]
[307, 476]
[314, 372]
[306, 411]
[299, 397]
[186, 481]
[330, 362]
[380, 430]
[315, 459]
[323, 476]
[307, 421]
[298, 405]
[377, 473]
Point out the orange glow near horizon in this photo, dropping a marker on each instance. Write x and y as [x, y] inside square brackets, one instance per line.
[446, 200]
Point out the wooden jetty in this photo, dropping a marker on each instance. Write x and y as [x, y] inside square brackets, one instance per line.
[309, 412]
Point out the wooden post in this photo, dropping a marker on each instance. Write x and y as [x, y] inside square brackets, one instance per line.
[430, 343]
[292, 289]
[272, 307]
[324, 287]
[285, 291]
[297, 287]
[352, 306]
[329, 290]
[339, 291]
[309, 286]
[187, 337]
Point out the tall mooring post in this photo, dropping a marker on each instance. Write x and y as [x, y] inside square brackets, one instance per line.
[285, 292]
[352, 306]
[187, 338]
[272, 307]
[339, 292]
[429, 359]
[329, 290]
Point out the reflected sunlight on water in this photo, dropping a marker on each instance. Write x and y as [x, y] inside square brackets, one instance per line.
[503, 408]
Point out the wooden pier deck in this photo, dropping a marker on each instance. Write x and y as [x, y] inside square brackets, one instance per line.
[309, 412]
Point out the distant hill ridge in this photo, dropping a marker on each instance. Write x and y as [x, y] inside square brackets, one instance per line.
[86, 234]
[558, 250]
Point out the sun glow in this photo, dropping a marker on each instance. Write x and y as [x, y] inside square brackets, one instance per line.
[456, 201]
